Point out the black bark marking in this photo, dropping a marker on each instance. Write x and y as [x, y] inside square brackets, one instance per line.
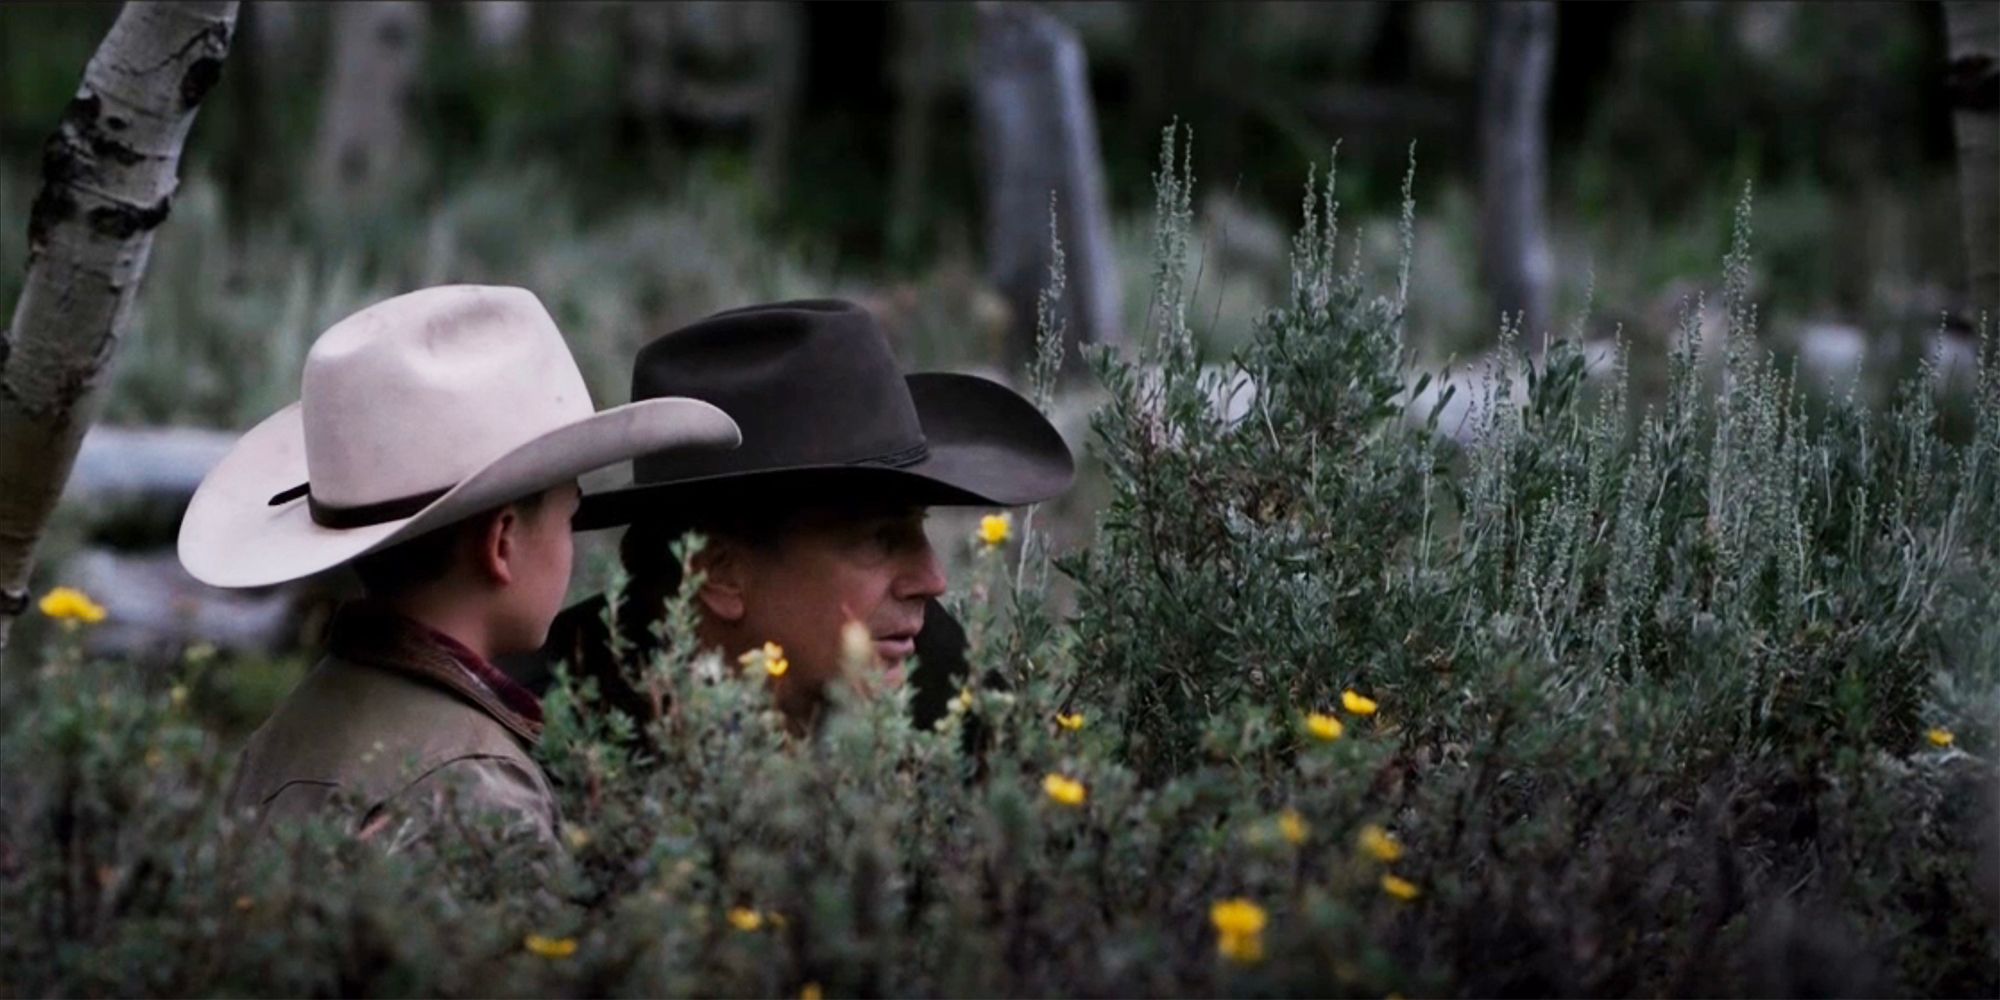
[123, 221]
[200, 77]
[105, 147]
[115, 123]
[53, 207]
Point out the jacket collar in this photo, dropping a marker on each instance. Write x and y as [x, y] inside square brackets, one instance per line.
[370, 633]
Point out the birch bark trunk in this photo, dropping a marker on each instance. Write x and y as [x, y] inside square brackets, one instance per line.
[1973, 30]
[1038, 133]
[108, 178]
[363, 138]
[1514, 255]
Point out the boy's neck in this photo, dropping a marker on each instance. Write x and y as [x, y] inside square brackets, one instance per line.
[465, 623]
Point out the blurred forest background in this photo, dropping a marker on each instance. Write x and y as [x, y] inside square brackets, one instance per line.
[641, 165]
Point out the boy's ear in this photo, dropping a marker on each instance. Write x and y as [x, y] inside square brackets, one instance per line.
[722, 567]
[497, 544]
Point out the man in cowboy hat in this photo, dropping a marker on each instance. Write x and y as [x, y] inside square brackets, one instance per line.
[817, 521]
[435, 448]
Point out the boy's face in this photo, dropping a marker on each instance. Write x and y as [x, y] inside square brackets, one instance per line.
[872, 565]
[542, 553]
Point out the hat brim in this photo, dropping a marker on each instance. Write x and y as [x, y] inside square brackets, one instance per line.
[233, 536]
[988, 447]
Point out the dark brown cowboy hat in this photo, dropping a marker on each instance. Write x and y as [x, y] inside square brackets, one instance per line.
[823, 410]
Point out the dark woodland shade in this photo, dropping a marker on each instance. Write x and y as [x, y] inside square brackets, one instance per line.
[824, 412]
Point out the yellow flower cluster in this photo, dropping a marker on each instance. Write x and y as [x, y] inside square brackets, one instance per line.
[1323, 727]
[548, 947]
[1239, 930]
[745, 919]
[1401, 888]
[1064, 790]
[1380, 844]
[1941, 738]
[771, 655]
[1071, 722]
[1357, 704]
[995, 529]
[1293, 827]
[71, 607]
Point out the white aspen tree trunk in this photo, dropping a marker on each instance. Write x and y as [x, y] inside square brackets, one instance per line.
[1038, 134]
[500, 29]
[1973, 30]
[1514, 257]
[108, 179]
[363, 137]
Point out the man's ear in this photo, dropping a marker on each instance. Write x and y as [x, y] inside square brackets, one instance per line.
[723, 569]
[498, 542]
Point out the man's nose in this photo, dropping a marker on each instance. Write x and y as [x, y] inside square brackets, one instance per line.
[922, 576]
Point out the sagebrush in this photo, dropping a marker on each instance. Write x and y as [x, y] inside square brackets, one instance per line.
[1697, 699]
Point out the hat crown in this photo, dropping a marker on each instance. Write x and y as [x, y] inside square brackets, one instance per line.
[416, 393]
[811, 383]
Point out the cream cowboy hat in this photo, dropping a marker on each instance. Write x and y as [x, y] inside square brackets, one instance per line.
[415, 413]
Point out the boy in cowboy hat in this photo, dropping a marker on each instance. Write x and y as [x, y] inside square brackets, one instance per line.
[435, 448]
[817, 520]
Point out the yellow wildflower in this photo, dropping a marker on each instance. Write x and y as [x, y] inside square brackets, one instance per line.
[1401, 888]
[1940, 737]
[71, 606]
[1064, 790]
[961, 703]
[1323, 727]
[811, 991]
[771, 655]
[548, 947]
[1380, 844]
[1356, 703]
[995, 529]
[745, 919]
[1071, 722]
[1239, 927]
[577, 837]
[1293, 827]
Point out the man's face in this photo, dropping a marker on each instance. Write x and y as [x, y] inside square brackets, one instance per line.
[871, 565]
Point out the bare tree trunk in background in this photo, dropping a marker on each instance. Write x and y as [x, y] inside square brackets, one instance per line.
[1973, 30]
[1518, 57]
[108, 179]
[499, 28]
[363, 121]
[919, 74]
[781, 28]
[1038, 134]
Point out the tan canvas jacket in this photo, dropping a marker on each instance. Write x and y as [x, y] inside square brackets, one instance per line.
[393, 717]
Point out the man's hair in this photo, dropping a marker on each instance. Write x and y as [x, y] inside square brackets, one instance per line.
[427, 558]
[647, 553]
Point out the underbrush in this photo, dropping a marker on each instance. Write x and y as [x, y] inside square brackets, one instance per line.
[1700, 702]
